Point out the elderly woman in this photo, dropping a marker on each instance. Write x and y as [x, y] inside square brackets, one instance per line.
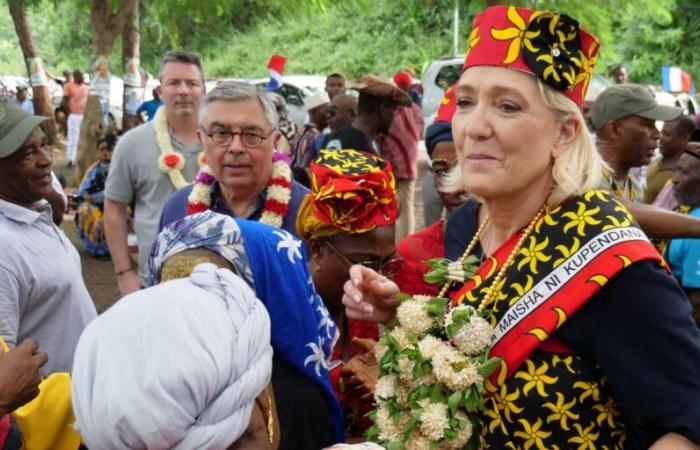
[597, 343]
[182, 365]
[348, 218]
[273, 263]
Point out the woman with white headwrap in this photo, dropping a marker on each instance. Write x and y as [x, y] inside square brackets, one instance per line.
[178, 365]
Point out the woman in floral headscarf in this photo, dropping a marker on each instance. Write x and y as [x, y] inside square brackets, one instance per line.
[591, 340]
[348, 218]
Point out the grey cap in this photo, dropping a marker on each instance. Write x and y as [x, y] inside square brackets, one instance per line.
[15, 126]
[624, 100]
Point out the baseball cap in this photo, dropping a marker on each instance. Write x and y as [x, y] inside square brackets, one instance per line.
[15, 126]
[624, 100]
[316, 100]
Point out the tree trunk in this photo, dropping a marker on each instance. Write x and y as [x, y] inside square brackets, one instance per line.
[133, 80]
[91, 130]
[106, 25]
[41, 95]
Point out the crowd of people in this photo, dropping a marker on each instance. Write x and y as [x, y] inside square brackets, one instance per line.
[261, 303]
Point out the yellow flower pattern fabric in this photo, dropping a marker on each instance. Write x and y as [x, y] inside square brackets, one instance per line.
[553, 396]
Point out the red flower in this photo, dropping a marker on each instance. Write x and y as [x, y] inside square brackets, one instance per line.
[171, 160]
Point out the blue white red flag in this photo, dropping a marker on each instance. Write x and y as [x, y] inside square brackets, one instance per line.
[676, 80]
[276, 69]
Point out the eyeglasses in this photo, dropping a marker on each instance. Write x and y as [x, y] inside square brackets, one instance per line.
[387, 266]
[224, 138]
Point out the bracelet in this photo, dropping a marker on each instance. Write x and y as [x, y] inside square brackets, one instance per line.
[122, 272]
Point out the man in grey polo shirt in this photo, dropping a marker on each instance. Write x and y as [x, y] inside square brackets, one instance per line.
[138, 173]
[42, 293]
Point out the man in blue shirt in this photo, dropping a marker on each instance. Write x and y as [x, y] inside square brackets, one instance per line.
[150, 107]
[684, 254]
[23, 102]
[238, 132]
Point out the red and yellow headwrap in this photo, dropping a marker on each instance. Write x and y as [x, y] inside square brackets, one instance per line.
[549, 45]
[352, 192]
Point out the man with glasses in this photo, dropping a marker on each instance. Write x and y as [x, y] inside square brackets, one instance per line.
[136, 173]
[238, 132]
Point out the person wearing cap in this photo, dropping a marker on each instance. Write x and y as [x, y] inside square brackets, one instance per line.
[684, 254]
[673, 139]
[42, 293]
[624, 117]
[608, 356]
[244, 177]
[23, 101]
[376, 107]
[316, 105]
[400, 148]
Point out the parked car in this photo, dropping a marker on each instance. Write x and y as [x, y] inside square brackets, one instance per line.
[295, 89]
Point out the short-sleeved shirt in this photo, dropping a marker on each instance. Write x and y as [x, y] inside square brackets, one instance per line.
[630, 190]
[134, 175]
[150, 108]
[639, 328]
[77, 95]
[176, 207]
[350, 138]
[42, 293]
[684, 259]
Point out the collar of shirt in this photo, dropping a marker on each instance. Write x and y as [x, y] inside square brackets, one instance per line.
[23, 214]
[219, 206]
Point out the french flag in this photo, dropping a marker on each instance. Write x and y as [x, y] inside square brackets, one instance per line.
[276, 69]
[675, 80]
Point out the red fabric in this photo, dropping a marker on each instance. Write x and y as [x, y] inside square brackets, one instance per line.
[403, 79]
[277, 63]
[447, 106]
[400, 147]
[486, 50]
[4, 429]
[354, 409]
[415, 249]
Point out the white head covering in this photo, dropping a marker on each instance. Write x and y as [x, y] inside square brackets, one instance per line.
[178, 365]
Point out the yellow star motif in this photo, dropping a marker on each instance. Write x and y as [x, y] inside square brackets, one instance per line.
[581, 218]
[586, 438]
[532, 434]
[533, 254]
[566, 252]
[536, 378]
[517, 35]
[473, 40]
[561, 411]
[589, 390]
[586, 64]
[607, 413]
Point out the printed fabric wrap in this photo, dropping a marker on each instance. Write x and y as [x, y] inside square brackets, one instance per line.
[548, 45]
[352, 192]
[574, 250]
[303, 333]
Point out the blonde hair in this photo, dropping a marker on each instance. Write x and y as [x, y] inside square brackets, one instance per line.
[577, 170]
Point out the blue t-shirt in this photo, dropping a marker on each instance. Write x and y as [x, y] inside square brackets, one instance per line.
[684, 259]
[150, 107]
[176, 207]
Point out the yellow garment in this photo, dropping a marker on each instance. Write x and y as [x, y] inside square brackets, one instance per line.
[309, 225]
[657, 177]
[46, 423]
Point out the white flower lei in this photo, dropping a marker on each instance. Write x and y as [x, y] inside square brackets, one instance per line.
[170, 162]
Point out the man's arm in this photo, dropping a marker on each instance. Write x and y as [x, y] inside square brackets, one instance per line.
[662, 224]
[673, 441]
[116, 231]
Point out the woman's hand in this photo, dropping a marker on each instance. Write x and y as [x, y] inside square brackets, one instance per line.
[361, 372]
[370, 296]
[19, 375]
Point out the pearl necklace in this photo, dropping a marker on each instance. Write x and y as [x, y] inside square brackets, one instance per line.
[491, 290]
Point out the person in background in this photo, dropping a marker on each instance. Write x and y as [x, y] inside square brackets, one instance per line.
[23, 101]
[349, 219]
[429, 243]
[152, 161]
[195, 375]
[673, 139]
[620, 74]
[684, 254]
[75, 95]
[400, 148]
[376, 108]
[88, 219]
[335, 85]
[42, 293]
[316, 105]
[149, 107]
[340, 113]
[286, 127]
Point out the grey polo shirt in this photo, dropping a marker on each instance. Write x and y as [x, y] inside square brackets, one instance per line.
[42, 293]
[134, 175]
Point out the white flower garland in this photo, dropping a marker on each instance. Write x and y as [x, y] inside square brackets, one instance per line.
[170, 162]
